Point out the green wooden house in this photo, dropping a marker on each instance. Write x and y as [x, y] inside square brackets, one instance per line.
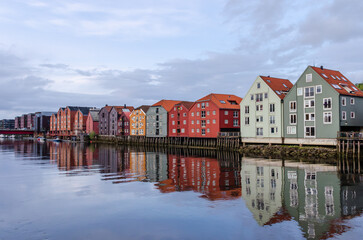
[320, 104]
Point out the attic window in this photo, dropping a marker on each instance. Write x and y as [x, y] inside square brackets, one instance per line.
[284, 85]
[232, 102]
[332, 76]
[344, 79]
[336, 86]
[337, 77]
[324, 75]
[222, 101]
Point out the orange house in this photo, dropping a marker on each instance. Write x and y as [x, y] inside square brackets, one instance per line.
[138, 121]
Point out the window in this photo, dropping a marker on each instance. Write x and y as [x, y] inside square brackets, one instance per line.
[184, 122]
[291, 130]
[207, 104]
[214, 112]
[272, 107]
[247, 109]
[197, 121]
[327, 118]
[202, 114]
[174, 130]
[226, 113]
[274, 130]
[266, 95]
[344, 101]
[292, 105]
[324, 75]
[259, 131]
[352, 101]
[192, 121]
[203, 131]
[203, 123]
[327, 103]
[214, 121]
[184, 114]
[309, 77]
[336, 86]
[203, 105]
[208, 121]
[259, 107]
[197, 130]
[235, 114]
[259, 119]
[247, 120]
[222, 101]
[344, 115]
[258, 85]
[157, 110]
[182, 130]
[352, 114]
[309, 103]
[309, 116]
[226, 121]
[259, 97]
[272, 119]
[318, 89]
[198, 105]
[207, 113]
[192, 114]
[309, 92]
[172, 115]
[197, 113]
[208, 130]
[299, 91]
[310, 131]
[251, 96]
[293, 119]
[192, 130]
[235, 123]
[173, 122]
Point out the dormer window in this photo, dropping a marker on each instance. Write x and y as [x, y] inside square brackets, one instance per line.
[324, 75]
[258, 85]
[232, 102]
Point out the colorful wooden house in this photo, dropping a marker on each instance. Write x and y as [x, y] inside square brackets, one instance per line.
[138, 121]
[320, 104]
[93, 121]
[262, 110]
[80, 120]
[123, 123]
[178, 119]
[157, 118]
[115, 119]
[104, 120]
[215, 114]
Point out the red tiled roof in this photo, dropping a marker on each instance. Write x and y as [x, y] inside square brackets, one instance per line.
[108, 108]
[119, 109]
[225, 101]
[186, 104]
[166, 104]
[338, 81]
[279, 85]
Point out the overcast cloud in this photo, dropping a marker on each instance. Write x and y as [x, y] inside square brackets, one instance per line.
[92, 53]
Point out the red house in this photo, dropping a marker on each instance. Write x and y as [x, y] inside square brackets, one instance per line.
[92, 121]
[123, 123]
[178, 119]
[214, 114]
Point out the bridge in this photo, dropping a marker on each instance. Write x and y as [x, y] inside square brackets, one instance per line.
[16, 132]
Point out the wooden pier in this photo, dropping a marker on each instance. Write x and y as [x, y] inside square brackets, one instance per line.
[349, 143]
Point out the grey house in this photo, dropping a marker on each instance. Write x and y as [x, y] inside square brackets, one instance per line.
[157, 118]
[320, 104]
[104, 116]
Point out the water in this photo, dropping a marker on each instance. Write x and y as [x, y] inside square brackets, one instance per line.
[73, 191]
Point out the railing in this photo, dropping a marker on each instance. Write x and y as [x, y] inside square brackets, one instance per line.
[228, 134]
[350, 135]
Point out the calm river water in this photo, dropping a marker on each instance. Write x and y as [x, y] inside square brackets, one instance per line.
[74, 191]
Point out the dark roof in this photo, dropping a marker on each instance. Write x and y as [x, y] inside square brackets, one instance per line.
[144, 108]
[94, 114]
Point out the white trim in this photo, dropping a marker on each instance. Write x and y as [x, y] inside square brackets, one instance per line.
[331, 117]
[290, 119]
[331, 103]
[352, 114]
[344, 115]
[344, 103]
[292, 110]
[321, 89]
[352, 101]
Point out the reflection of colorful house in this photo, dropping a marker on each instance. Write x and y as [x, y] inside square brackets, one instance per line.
[262, 190]
[201, 175]
[119, 120]
[312, 197]
[138, 121]
[138, 165]
[156, 166]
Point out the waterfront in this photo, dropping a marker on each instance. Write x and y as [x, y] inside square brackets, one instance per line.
[75, 191]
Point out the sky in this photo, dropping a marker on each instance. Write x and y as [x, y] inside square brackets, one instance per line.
[91, 53]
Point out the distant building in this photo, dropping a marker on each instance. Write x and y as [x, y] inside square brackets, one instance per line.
[7, 124]
[92, 121]
[17, 122]
[23, 121]
[157, 118]
[80, 121]
[178, 121]
[53, 124]
[104, 121]
[215, 114]
[138, 121]
[30, 121]
[42, 121]
[115, 119]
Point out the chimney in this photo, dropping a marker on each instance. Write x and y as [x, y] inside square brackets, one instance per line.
[106, 105]
[322, 67]
[124, 105]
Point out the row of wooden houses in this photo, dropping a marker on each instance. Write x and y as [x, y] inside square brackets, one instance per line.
[320, 104]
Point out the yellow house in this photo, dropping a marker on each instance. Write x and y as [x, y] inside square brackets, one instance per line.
[138, 121]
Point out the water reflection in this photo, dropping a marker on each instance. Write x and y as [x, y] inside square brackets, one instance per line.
[320, 198]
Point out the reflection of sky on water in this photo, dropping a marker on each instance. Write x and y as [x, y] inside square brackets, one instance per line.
[77, 192]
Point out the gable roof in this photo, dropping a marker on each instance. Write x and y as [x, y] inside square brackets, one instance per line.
[166, 104]
[121, 109]
[186, 104]
[279, 85]
[144, 108]
[94, 114]
[225, 101]
[338, 81]
[108, 108]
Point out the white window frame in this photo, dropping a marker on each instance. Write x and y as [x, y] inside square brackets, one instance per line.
[321, 89]
[299, 91]
[309, 105]
[291, 130]
[308, 88]
[331, 103]
[344, 115]
[310, 136]
[225, 121]
[352, 115]
[309, 77]
[247, 120]
[344, 101]
[310, 118]
[352, 101]
[272, 119]
[331, 117]
[273, 107]
[292, 109]
[291, 123]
